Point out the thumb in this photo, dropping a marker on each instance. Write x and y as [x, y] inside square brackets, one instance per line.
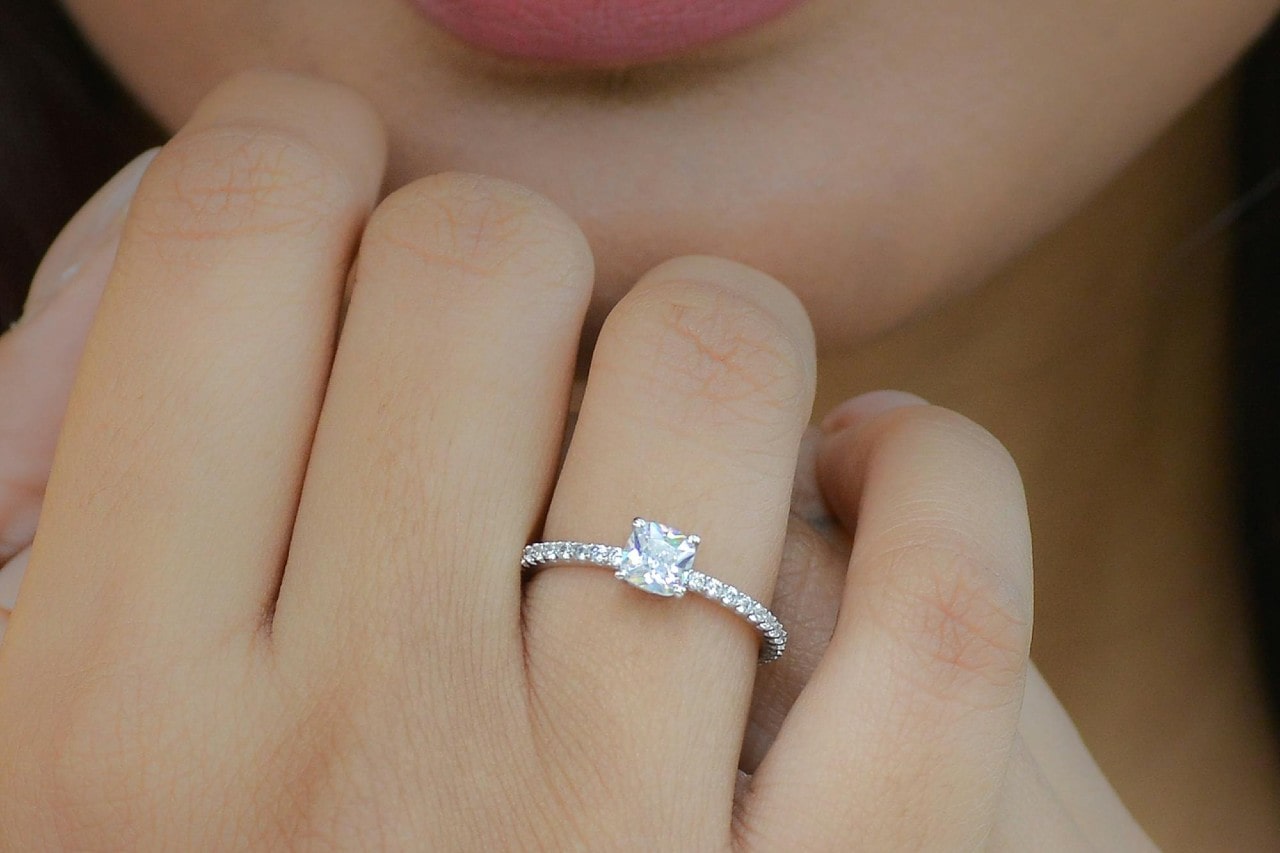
[39, 356]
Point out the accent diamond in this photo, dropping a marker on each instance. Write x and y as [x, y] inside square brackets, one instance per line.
[657, 558]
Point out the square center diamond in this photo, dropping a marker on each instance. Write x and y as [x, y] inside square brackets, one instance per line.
[657, 558]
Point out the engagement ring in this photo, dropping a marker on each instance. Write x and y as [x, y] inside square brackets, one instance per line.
[659, 560]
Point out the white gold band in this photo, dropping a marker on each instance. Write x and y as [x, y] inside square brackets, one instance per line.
[638, 562]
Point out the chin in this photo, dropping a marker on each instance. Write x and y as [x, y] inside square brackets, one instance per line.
[878, 156]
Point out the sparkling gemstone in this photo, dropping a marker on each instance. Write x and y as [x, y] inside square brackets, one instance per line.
[657, 558]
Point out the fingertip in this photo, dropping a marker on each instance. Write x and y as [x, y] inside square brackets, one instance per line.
[737, 323]
[858, 410]
[328, 117]
[842, 450]
[745, 283]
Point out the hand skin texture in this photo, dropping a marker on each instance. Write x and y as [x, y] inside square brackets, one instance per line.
[274, 599]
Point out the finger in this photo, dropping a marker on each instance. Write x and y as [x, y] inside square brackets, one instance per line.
[807, 600]
[815, 558]
[902, 737]
[700, 387]
[1031, 815]
[38, 356]
[174, 486]
[438, 443]
[1052, 741]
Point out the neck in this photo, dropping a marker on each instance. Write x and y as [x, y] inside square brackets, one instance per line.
[1099, 359]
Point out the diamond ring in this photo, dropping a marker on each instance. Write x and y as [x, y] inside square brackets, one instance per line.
[659, 560]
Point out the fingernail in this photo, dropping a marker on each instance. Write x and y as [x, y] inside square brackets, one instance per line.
[99, 221]
[864, 407]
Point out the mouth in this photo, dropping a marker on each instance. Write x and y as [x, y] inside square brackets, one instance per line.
[597, 33]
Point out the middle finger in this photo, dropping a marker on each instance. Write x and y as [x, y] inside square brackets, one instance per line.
[439, 434]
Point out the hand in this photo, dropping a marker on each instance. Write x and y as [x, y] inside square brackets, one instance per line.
[39, 355]
[274, 598]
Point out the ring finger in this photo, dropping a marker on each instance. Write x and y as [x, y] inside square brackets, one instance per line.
[701, 385]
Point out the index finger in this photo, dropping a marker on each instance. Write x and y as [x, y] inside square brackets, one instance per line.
[178, 471]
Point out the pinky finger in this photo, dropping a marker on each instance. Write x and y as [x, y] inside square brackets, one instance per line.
[1050, 741]
[1031, 811]
[902, 738]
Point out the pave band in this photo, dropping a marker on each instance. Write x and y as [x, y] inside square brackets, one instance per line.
[659, 560]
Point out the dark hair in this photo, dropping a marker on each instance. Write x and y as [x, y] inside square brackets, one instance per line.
[67, 126]
[1256, 345]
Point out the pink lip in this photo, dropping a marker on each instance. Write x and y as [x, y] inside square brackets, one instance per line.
[597, 32]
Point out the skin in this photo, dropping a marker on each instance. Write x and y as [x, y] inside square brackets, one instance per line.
[911, 147]
[200, 579]
[960, 624]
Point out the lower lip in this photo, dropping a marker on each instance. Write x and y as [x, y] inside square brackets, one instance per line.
[597, 32]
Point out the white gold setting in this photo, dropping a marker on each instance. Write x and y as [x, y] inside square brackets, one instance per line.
[659, 559]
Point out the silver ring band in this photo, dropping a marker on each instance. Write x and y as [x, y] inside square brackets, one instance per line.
[659, 560]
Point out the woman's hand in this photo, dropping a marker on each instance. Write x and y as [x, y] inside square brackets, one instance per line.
[275, 596]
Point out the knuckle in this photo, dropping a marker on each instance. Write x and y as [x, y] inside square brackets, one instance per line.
[236, 182]
[480, 231]
[962, 622]
[715, 357]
